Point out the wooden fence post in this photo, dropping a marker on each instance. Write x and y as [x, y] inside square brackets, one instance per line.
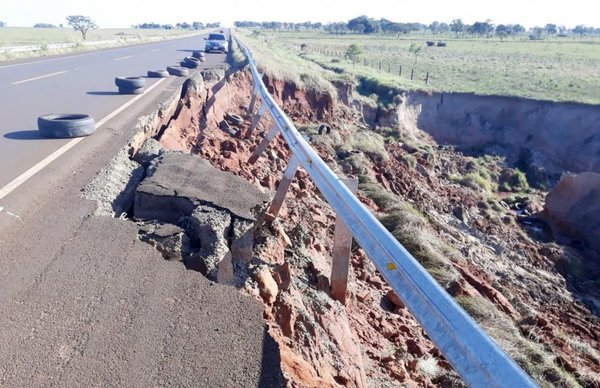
[400, 71]
[427, 78]
[412, 71]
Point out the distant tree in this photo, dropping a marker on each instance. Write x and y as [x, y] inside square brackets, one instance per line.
[580, 30]
[444, 28]
[481, 28]
[434, 27]
[502, 34]
[536, 33]
[363, 24]
[197, 25]
[457, 26]
[518, 29]
[81, 23]
[551, 29]
[337, 28]
[399, 29]
[353, 53]
[415, 49]
[44, 25]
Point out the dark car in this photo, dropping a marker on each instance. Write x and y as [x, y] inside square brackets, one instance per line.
[216, 42]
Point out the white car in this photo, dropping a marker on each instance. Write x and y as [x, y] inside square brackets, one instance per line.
[216, 42]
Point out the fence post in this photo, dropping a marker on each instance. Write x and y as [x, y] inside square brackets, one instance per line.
[427, 78]
[282, 190]
[400, 71]
[342, 244]
[379, 65]
[412, 71]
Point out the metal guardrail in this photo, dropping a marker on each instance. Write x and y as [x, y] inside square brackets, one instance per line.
[473, 355]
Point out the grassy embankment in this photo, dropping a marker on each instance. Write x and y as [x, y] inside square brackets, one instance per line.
[26, 36]
[560, 69]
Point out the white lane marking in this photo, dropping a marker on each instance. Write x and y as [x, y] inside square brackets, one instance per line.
[18, 181]
[48, 60]
[125, 57]
[40, 77]
[154, 50]
[13, 214]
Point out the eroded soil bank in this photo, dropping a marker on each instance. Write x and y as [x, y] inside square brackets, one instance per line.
[542, 138]
[510, 280]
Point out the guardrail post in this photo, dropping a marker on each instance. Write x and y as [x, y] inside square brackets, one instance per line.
[263, 144]
[282, 189]
[342, 243]
[255, 120]
[253, 100]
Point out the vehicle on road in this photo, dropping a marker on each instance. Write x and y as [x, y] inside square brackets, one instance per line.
[216, 42]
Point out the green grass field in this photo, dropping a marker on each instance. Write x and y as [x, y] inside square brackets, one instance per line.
[23, 36]
[562, 69]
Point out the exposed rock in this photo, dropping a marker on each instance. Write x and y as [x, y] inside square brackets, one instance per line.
[573, 208]
[392, 297]
[267, 286]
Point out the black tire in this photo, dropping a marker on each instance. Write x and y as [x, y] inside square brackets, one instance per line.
[64, 125]
[189, 65]
[130, 82]
[178, 71]
[191, 59]
[124, 90]
[224, 125]
[202, 59]
[234, 119]
[158, 73]
[324, 128]
[198, 54]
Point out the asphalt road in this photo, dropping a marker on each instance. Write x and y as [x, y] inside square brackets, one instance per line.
[81, 83]
[83, 302]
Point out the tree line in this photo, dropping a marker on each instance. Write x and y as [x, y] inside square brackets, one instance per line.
[183, 26]
[366, 25]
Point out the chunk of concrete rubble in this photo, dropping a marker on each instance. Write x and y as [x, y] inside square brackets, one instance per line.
[114, 186]
[170, 240]
[182, 182]
[150, 150]
[211, 75]
[208, 228]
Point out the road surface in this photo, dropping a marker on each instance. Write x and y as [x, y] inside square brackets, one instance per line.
[83, 302]
[81, 83]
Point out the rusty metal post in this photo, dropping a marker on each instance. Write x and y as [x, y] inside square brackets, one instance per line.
[342, 243]
[255, 120]
[282, 189]
[253, 100]
[263, 144]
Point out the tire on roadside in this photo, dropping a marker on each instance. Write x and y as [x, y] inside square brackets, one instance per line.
[234, 119]
[158, 73]
[65, 125]
[198, 54]
[130, 82]
[178, 71]
[124, 90]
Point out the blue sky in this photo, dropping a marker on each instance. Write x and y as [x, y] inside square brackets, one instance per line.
[123, 13]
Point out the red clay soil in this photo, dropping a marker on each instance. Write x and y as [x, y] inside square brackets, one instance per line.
[373, 340]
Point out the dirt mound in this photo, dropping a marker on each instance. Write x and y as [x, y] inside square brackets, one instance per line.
[573, 208]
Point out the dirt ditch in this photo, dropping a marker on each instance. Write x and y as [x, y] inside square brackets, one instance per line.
[511, 283]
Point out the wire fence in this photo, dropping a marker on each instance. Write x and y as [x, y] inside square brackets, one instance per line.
[411, 72]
